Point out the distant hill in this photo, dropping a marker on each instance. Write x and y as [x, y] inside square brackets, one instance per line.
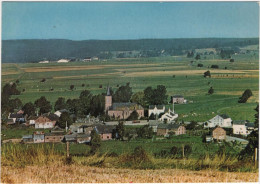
[20, 51]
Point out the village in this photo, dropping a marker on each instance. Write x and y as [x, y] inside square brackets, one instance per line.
[161, 122]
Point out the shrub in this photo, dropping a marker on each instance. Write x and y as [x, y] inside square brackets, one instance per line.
[247, 94]
[214, 66]
[231, 60]
[200, 65]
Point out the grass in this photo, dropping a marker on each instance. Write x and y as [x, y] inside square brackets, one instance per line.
[41, 163]
[228, 84]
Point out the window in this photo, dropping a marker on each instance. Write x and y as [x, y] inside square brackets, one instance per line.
[108, 137]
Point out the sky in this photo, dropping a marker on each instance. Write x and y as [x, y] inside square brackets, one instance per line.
[129, 20]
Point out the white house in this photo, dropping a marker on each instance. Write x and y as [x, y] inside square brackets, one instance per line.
[63, 61]
[156, 109]
[169, 116]
[44, 62]
[241, 128]
[44, 122]
[222, 120]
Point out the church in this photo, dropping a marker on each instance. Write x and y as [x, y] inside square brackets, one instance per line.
[121, 110]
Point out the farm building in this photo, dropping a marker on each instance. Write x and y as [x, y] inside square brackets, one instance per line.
[63, 61]
[222, 120]
[165, 129]
[105, 131]
[156, 109]
[53, 137]
[17, 117]
[27, 139]
[242, 127]
[121, 110]
[38, 137]
[219, 134]
[178, 99]
[78, 138]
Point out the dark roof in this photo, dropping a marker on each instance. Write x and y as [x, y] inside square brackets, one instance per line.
[102, 129]
[16, 115]
[177, 96]
[157, 106]
[51, 116]
[57, 129]
[224, 116]
[54, 134]
[239, 122]
[250, 125]
[132, 106]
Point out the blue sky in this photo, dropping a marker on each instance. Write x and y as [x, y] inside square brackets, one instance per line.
[129, 20]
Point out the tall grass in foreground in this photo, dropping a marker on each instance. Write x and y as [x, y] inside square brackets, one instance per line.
[16, 156]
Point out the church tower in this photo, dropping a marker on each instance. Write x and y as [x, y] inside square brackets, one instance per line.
[108, 99]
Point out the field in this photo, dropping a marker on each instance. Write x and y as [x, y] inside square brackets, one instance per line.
[228, 84]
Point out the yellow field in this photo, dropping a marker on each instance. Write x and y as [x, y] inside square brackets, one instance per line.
[75, 174]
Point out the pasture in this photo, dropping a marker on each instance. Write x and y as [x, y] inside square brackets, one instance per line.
[228, 84]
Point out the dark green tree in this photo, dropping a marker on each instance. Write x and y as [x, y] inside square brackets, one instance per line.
[197, 57]
[72, 87]
[232, 60]
[97, 105]
[207, 74]
[191, 126]
[145, 132]
[120, 130]
[29, 109]
[247, 94]
[155, 96]
[43, 105]
[95, 141]
[133, 116]
[85, 99]
[123, 93]
[64, 118]
[138, 98]
[200, 65]
[15, 104]
[60, 104]
[211, 91]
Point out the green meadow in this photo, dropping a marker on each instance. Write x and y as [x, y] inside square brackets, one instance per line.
[229, 81]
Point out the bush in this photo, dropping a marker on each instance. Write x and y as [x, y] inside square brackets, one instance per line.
[214, 66]
[207, 74]
[247, 94]
[231, 60]
[200, 65]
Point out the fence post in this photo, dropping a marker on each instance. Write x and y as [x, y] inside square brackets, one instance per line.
[183, 151]
[68, 149]
[256, 157]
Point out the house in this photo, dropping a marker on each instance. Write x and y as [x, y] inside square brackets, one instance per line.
[59, 112]
[222, 120]
[87, 59]
[178, 99]
[219, 134]
[11, 121]
[85, 129]
[17, 118]
[165, 129]
[43, 61]
[83, 138]
[53, 137]
[121, 110]
[27, 139]
[78, 138]
[63, 61]
[154, 124]
[242, 127]
[250, 126]
[169, 116]
[156, 109]
[32, 120]
[38, 137]
[94, 58]
[45, 122]
[105, 131]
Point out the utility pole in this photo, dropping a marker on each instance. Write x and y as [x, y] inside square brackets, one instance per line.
[68, 149]
[66, 126]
